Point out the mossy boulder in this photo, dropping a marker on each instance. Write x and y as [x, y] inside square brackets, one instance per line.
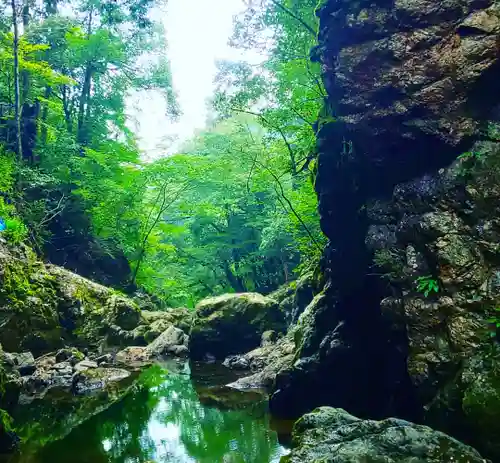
[233, 324]
[332, 434]
[123, 312]
[92, 379]
[169, 342]
[10, 386]
[156, 329]
[481, 406]
[28, 302]
[181, 318]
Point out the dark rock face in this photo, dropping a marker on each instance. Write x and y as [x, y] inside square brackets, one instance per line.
[330, 434]
[411, 85]
[408, 79]
[446, 228]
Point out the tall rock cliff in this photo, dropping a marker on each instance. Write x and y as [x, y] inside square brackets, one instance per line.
[408, 170]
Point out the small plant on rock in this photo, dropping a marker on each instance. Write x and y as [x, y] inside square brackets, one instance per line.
[427, 285]
[16, 232]
[494, 323]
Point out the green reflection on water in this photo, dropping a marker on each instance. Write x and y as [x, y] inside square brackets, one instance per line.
[163, 420]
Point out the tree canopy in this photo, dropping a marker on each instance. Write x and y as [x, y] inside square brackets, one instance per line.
[234, 210]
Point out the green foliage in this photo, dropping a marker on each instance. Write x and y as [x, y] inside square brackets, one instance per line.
[494, 323]
[234, 210]
[226, 224]
[5, 422]
[471, 155]
[16, 231]
[427, 285]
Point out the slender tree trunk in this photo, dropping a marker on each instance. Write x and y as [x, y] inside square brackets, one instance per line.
[50, 7]
[45, 115]
[67, 109]
[233, 280]
[25, 74]
[17, 96]
[85, 94]
[294, 16]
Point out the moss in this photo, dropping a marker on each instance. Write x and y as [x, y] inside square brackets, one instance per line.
[391, 262]
[481, 405]
[5, 422]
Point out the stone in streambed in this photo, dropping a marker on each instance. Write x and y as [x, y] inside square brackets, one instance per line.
[92, 379]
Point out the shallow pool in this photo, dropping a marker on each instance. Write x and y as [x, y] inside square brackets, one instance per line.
[165, 416]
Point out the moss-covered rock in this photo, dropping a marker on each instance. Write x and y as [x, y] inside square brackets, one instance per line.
[122, 312]
[181, 318]
[332, 434]
[156, 329]
[481, 403]
[265, 363]
[232, 324]
[10, 386]
[28, 314]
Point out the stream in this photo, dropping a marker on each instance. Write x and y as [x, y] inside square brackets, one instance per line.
[171, 413]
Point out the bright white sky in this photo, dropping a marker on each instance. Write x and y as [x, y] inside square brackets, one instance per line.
[197, 33]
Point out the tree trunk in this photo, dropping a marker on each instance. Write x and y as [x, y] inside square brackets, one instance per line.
[45, 115]
[85, 94]
[50, 7]
[233, 280]
[67, 109]
[25, 74]
[84, 102]
[17, 96]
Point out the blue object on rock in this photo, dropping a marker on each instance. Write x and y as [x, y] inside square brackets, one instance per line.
[3, 225]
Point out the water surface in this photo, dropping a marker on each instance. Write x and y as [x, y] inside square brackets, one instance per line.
[165, 417]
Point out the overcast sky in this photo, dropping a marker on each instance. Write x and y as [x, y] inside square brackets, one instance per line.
[197, 33]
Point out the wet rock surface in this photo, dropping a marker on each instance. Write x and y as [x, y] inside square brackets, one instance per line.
[264, 363]
[329, 434]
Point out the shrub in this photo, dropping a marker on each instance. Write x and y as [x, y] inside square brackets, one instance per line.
[16, 232]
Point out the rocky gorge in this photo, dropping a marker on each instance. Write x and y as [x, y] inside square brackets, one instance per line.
[389, 349]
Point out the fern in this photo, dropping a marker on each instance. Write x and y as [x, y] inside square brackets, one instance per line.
[427, 285]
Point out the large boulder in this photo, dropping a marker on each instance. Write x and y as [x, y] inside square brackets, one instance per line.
[408, 80]
[232, 324]
[332, 434]
[28, 303]
[171, 341]
[411, 85]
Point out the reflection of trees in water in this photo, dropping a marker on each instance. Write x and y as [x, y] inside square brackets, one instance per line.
[210, 434]
[163, 420]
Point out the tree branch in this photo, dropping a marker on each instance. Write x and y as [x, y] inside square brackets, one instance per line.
[294, 16]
